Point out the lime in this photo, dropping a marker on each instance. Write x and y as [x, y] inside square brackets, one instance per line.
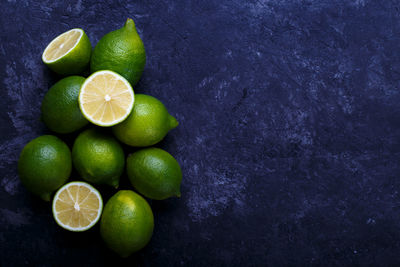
[60, 108]
[44, 165]
[147, 124]
[154, 173]
[106, 98]
[69, 53]
[98, 157]
[121, 51]
[127, 223]
[77, 206]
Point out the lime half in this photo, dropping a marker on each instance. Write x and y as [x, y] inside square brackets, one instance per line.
[69, 53]
[77, 206]
[106, 98]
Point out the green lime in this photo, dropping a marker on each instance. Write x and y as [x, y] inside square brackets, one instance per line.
[127, 223]
[147, 124]
[60, 107]
[44, 165]
[154, 173]
[121, 51]
[98, 157]
[69, 53]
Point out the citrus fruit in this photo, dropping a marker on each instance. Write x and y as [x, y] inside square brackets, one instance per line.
[127, 223]
[106, 98]
[44, 165]
[77, 206]
[147, 124]
[69, 53]
[121, 51]
[98, 157]
[60, 108]
[154, 173]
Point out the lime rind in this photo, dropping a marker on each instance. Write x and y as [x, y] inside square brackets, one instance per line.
[173, 122]
[79, 229]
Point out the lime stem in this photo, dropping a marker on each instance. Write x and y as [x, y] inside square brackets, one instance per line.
[173, 123]
[130, 24]
[115, 184]
[46, 196]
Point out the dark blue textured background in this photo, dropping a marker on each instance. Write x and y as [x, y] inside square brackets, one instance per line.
[289, 135]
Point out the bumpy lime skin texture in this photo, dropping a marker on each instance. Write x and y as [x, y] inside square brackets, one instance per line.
[121, 51]
[76, 61]
[60, 107]
[44, 165]
[154, 173]
[127, 223]
[98, 157]
[148, 123]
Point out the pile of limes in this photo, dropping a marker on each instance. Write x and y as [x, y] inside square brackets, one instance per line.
[104, 99]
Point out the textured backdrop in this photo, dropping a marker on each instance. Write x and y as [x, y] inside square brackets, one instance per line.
[289, 135]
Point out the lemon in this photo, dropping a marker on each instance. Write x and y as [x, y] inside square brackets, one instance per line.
[127, 223]
[154, 173]
[60, 108]
[106, 98]
[69, 53]
[98, 157]
[44, 165]
[77, 206]
[147, 124]
[121, 51]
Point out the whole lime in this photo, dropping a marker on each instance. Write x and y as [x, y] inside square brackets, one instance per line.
[147, 124]
[60, 107]
[127, 223]
[98, 157]
[154, 173]
[44, 165]
[121, 51]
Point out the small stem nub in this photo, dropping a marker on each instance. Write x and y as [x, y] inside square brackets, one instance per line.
[130, 24]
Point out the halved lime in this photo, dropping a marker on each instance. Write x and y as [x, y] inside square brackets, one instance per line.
[106, 98]
[69, 53]
[77, 206]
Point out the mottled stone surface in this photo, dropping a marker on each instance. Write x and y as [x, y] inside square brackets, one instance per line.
[289, 135]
